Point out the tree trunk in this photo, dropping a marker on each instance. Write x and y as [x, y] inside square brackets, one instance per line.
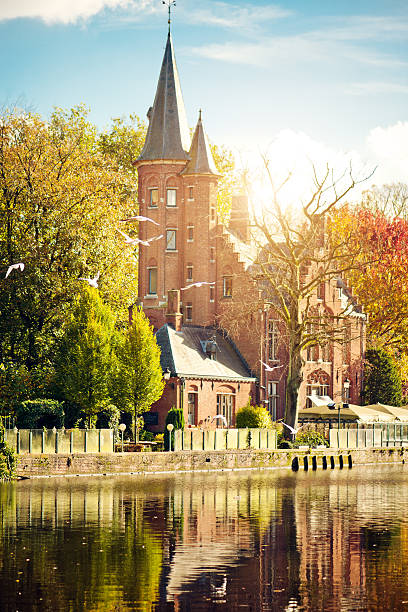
[294, 380]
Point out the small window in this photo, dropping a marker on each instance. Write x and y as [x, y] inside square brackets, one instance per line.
[152, 281]
[273, 399]
[171, 240]
[212, 253]
[171, 197]
[212, 292]
[320, 291]
[189, 272]
[192, 403]
[273, 337]
[154, 198]
[190, 193]
[189, 311]
[212, 213]
[190, 233]
[227, 286]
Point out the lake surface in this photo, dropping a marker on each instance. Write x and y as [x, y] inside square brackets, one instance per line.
[258, 540]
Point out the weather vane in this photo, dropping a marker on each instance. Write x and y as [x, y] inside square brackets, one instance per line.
[169, 4]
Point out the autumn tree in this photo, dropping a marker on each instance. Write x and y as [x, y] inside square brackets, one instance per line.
[382, 379]
[296, 256]
[61, 199]
[139, 379]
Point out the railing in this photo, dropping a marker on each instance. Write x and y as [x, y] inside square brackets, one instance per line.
[50, 441]
[224, 439]
[375, 435]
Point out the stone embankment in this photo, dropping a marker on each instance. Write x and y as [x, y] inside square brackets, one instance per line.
[81, 464]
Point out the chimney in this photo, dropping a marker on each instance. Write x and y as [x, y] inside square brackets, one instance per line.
[239, 220]
[173, 315]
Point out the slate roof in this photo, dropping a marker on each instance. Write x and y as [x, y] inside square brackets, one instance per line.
[182, 353]
[168, 135]
[201, 159]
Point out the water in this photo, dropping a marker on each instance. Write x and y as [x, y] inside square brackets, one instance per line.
[267, 540]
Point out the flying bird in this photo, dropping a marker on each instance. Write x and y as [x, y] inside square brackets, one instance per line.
[268, 367]
[17, 266]
[222, 418]
[93, 282]
[133, 241]
[292, 429]
[139, 218]
[128, 239]
[200, 284]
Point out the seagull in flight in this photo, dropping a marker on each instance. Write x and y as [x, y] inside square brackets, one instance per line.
[93, 282]
[17, 266]
[268, 367]
[200, 284]
[292, 429]
[133, 241]
[139, 218]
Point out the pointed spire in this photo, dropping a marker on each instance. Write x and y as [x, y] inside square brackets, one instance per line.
[167, 135]
[201, 159]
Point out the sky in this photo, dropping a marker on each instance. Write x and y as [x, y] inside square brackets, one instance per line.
[301, 82]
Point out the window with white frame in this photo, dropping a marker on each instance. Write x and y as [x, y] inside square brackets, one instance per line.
[190, 233]
[189, 311]
[192, 404]
[225, 406]
[153, 197]
[171, 244]
[212, 293]
[171, 199]
[190, 193]
[152, 281]
[212, 254]
[189, 272]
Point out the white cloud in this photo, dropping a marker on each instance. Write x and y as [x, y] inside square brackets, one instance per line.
[64, 11]
[388, 147]
[234, 16]
[298, 156]
[376, 87]
[330, 42]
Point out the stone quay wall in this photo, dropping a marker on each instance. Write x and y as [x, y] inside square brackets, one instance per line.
[81, 464]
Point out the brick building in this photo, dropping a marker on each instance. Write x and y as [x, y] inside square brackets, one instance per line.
[194, 273]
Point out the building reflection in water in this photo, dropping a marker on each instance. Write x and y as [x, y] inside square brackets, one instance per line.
[258, 540]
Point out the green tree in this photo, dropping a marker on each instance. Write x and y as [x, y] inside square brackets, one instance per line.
[61, 198]
[228, 182]
[174, 416]
[382, 379]
[85, 360]
[139, 380]
[253, 416]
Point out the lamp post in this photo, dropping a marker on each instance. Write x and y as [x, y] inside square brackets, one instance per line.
[170, 428]
[346, 387]
[122, 428]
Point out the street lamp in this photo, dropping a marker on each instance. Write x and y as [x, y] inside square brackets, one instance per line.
[170, 428]
[122, 428]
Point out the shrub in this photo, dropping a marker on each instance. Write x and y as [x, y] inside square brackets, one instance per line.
[310, 438]
[109, 417]
[176, 417]
[8, 462]
[253, 416]
[39, 413]
[148, 436]
[382, 379]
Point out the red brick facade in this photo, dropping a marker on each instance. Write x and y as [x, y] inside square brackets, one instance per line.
[180, 196]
